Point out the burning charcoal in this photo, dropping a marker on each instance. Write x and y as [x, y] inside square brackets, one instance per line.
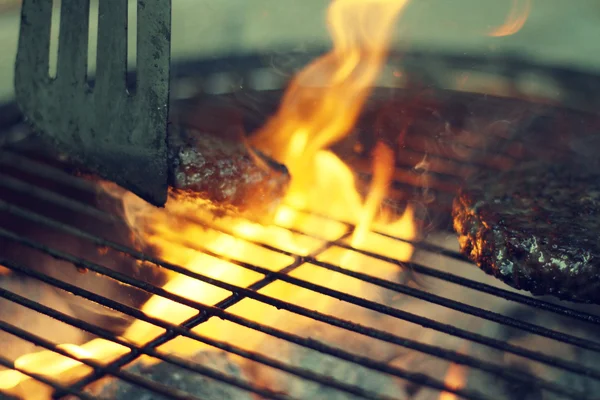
[184, 380]
[322, 364]
[535, 228]
[224, 172]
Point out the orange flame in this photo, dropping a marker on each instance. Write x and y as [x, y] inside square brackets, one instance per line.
[324, 100]
[515, 20]
[383, 168]
[320, 107]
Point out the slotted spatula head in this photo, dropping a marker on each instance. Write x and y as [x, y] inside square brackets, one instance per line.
[119, 135]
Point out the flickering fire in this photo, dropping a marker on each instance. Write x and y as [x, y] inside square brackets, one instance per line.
[515, 19]
[323, 101]
[319, 109]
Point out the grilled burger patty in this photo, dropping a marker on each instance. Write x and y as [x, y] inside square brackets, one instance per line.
[225, 173]
[536, 228]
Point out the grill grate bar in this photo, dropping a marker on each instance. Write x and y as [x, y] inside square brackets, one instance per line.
[194, 367]
[445, 276]
[485, 288]
[47, 195]
[44, 170]
[55, 198]
[201, 317]
[497, 344]
[53, 173]
[442, 353]
[417, 293]
[41, 378]
[215, 311]
[464, 308]
[416, 319]
[133, 312]
[407, 290]
[124, 375]
[272, 276]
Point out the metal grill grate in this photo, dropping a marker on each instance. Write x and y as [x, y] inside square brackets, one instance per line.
[49, 188]
[23, 163]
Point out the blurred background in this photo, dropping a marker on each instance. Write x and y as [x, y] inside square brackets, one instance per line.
[556, 33]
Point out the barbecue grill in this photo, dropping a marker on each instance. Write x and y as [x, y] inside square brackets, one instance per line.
[413, 336]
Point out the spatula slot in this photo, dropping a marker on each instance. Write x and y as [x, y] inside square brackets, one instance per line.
[131, 44]
[92, 42]
[54, 32]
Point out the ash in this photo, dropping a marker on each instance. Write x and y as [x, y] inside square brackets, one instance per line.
[490, 385]
[324, 365]
[478, 380]
[183, 380]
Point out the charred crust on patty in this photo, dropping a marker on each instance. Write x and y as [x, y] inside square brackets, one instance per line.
[536, 228]
[225, 174]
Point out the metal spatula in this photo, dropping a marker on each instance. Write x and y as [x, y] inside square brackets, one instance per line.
[121, 136]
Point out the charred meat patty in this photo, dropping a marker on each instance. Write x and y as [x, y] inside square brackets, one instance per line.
[536, 228]
[225, 173]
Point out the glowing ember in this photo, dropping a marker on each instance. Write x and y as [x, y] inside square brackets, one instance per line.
[320, 107]
[515, 20]
[455, 379]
